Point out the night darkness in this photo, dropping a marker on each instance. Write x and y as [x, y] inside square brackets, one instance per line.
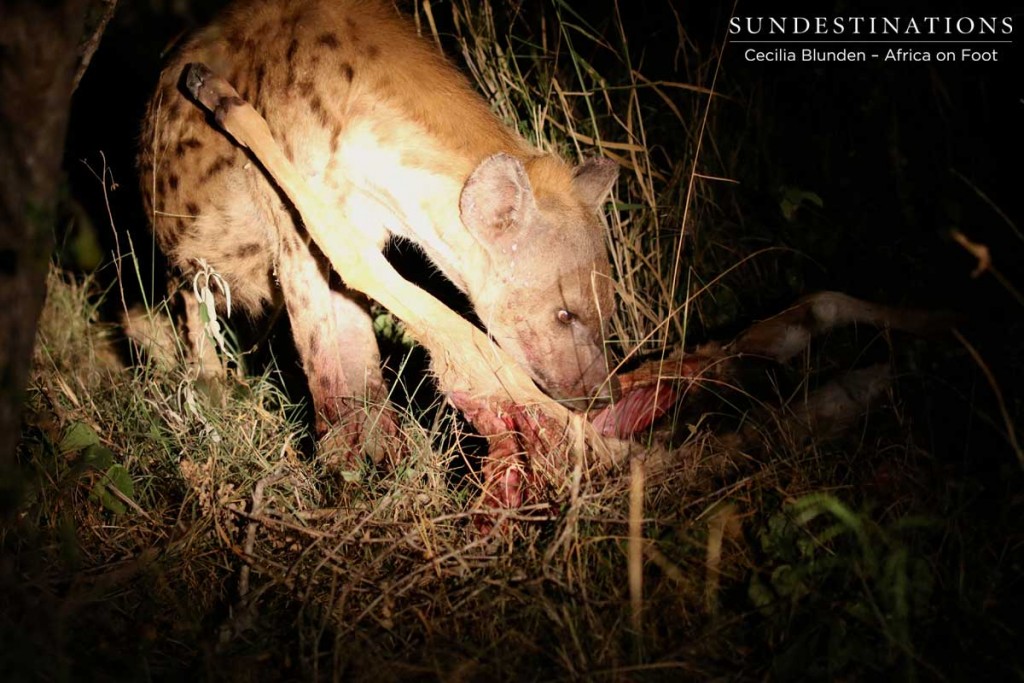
[892, 159]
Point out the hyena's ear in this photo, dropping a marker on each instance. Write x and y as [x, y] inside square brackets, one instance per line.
[593, 180]
[497, 196]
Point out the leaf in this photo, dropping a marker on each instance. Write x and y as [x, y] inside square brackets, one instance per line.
[204, 310]
[788, 582]
[98, 457]
[120, 478]
[384, 325]
[389, 327]
[778, 539]
[100, 494]
[352, 476]
[793, 198]
[760, 594]
[117, 477]
[83, 249]
[78, 436]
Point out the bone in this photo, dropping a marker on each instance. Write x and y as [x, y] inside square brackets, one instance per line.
[788, 333]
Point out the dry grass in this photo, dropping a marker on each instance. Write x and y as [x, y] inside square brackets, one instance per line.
[176, 528]
[229, 533]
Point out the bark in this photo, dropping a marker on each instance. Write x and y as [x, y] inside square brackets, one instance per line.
[39, 55]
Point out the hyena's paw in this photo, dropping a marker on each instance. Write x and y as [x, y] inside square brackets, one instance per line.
[359, 431]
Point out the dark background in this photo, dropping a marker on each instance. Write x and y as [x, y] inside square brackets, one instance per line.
[883, 144]
[899, 154]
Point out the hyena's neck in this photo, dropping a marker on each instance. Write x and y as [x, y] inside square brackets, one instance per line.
[417, 179]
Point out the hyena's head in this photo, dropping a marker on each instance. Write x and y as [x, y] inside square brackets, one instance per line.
[548, 293]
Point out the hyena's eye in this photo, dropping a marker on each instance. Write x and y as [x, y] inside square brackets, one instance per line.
[565, 317]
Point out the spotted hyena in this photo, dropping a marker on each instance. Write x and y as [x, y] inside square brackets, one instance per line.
[357, 100]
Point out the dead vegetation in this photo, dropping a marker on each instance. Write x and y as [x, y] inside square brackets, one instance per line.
[171, 527]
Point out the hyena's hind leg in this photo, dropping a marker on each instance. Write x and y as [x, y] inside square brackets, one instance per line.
[334, 337]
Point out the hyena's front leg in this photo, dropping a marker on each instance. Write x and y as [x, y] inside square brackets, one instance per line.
[333, 334]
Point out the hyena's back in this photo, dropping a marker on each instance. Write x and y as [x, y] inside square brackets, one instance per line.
[314, 70]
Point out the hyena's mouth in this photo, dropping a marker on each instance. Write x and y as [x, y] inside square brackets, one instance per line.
[580, 395]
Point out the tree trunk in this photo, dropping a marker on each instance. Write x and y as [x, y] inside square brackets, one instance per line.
[39, 54]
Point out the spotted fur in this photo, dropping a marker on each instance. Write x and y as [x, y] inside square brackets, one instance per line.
[367, 109]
